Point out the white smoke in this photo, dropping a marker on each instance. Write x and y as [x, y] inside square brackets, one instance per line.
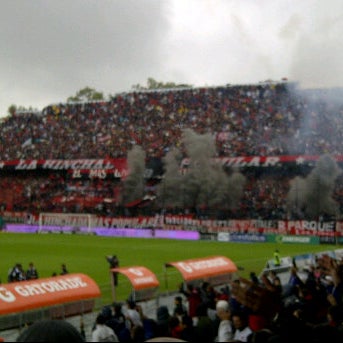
[312, 196]
[134, 184]
[206, 183]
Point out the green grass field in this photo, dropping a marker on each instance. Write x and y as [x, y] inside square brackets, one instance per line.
[86, 254]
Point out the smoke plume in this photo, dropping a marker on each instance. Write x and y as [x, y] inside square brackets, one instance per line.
[134, 184]
[170, 191]
[206, 183]
[312, 196]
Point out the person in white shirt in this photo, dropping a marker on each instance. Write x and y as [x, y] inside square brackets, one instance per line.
[132, 315]
[241, 327]
[225, 332]
[103, 333]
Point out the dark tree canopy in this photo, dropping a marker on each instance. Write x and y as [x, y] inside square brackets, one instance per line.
[153, 84]
[86, 94]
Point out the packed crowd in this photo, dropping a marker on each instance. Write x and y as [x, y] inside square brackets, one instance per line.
[248, 120]
[261, 309]
[308, 307]
[256, 120]
[264, 196]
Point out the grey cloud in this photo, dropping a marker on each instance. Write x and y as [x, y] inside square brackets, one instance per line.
[58, 46]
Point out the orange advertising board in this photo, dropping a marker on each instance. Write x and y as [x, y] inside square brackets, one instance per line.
[28, 295]
[139, 276]
[206, 267]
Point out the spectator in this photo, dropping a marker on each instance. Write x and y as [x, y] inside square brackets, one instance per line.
[269, 116]
[204, 327]
[102, 332]
[277, 259]
[192, 294]
[242, 330]
[133, 316]
[187, 329]
[16, 273]
[149, 324]
[162, 320]
[179, 307]
[64, 269]
[50, 330]
[32, 273]
[225, 330]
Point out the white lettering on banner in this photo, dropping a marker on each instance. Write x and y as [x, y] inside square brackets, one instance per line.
[76, 164]
[310, 225]
[118, 174]
[146, 279]
[26, 165]
[50, 286]
[271, 161]
[200, 265]
[255, 161]
[303, 225]
[52, 219]
[76, 174]
[327, 226]
[97, 173]
[6, 295]
[295, 239]
[136, 271]
[185, 267]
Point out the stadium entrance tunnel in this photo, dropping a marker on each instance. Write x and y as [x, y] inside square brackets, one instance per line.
[143, 281]
[216, 270]
[62, 296]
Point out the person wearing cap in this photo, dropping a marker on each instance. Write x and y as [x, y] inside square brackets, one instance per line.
[225, 332]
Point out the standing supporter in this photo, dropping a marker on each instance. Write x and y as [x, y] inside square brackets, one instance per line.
[242, 331]
[192, 294]
[277, 259]
[118, 323]
[204, 327]
[187, 332]
[133, 317]
[175, 327]
[179, 307]
[330, 330]
[225, 331]
[208, 297]
[162, 320]
[102, 332]
[294, 282]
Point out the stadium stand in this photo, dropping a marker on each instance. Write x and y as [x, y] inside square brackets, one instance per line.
[265, 119]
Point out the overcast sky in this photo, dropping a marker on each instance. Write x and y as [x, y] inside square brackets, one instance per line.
[50, 49]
